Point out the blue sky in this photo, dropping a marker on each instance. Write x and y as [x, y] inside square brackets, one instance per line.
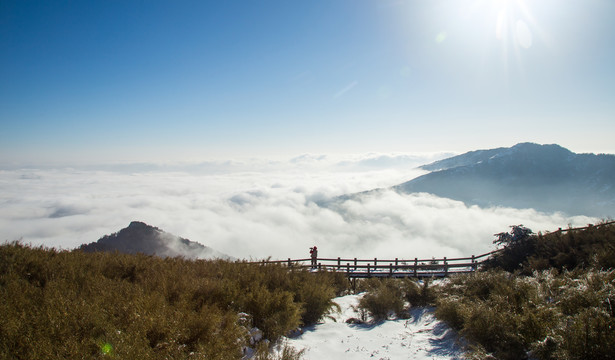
[122, 81]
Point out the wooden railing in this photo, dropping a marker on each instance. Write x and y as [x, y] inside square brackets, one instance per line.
[560, 230]
[365, 268]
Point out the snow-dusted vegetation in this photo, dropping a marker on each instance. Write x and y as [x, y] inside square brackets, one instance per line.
[542, 297]
[545, 296]
[344, 335]
[69, 305]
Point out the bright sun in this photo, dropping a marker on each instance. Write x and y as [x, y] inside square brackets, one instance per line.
[498, 33]
[511, 23]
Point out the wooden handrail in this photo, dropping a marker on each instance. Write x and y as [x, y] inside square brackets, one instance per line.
[354, 267]
[387, 266]
[364, 268]
[580, 228]
[387, 261]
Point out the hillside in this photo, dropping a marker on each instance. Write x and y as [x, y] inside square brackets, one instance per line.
[544, 296]
[71, 304]
[139, 237]
[74, 305]
[547, 178]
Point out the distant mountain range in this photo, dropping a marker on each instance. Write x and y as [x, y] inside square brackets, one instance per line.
[544, 177]
[139, 237]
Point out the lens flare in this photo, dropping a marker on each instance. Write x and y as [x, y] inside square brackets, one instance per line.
[106, 349]
[500, 26]
[523, 34]
[441, 37]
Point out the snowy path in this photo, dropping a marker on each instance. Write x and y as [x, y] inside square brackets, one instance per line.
[420, 337]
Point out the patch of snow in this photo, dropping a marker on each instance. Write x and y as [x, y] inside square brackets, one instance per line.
[420, 337]
[256, 335]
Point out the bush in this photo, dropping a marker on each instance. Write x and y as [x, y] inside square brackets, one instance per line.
[384, 298]
[452, 311]
[555, 299]
[590, 247]
[275, 313]
[553, 315]
[589, 335]
[418, 295]
[316, 300]
[62, 304]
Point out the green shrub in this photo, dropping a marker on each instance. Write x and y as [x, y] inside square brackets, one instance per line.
[556, 305]
[495, 330]
[316, 299]
[554, 315]
[591, 247]
[419, 295]
[494, 310]
[452, 311]
[275, 313]
[280, 352]
[63, 304]
[590, 334]
[384, 298]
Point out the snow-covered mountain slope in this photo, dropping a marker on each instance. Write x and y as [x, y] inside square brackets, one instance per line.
[420, 337]
[544, 177]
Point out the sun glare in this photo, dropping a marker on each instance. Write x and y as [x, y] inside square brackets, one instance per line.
[504, 28]
[512, 22]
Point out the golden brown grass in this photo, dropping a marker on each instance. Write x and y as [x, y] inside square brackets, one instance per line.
[72, 305]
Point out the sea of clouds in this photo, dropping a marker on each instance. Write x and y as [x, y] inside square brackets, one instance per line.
[259, 208]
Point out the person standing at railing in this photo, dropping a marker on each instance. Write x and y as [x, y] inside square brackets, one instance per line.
[314, 255]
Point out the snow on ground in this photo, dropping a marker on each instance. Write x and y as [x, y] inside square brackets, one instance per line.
[420, 337]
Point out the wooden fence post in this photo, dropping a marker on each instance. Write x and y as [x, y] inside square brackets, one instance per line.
[473, 263]
[396, 264]
[338, 263]
[347, 268]
[368, 274]
[375, 263]
[445, 267]
[391, 270]
[416, 263]
[355, 264]
[289, 263]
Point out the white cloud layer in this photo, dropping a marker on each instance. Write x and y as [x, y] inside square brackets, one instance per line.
[259, 209]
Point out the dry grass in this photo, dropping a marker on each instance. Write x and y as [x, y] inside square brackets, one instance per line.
[61, 304]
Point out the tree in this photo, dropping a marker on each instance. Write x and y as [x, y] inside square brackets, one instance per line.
[517, 234]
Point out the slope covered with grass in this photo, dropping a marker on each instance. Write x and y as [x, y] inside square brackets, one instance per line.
[543, 296]
[67, 305]
[546, 296]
